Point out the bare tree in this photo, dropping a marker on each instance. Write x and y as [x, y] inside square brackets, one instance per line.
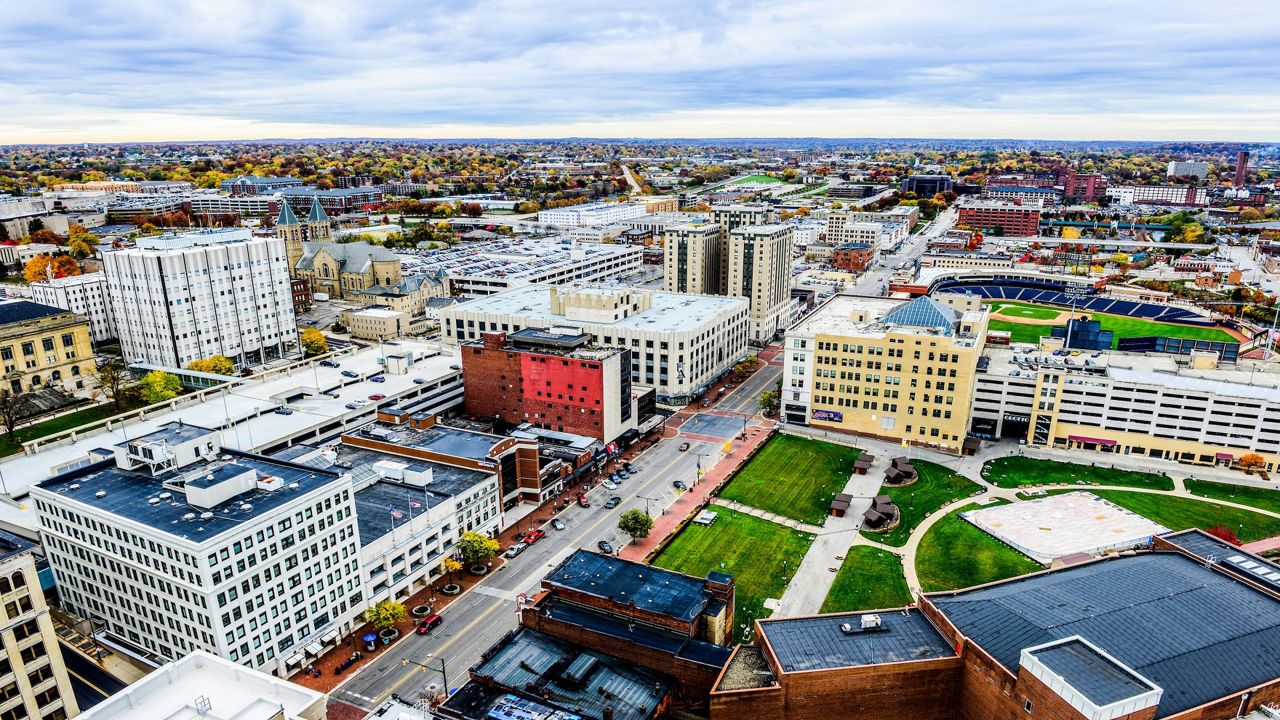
[13, 408]
[113, 378]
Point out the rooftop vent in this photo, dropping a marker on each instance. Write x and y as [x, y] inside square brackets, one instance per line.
[206, 516]
[294, 486]
[100, 494]
[166, 496]
[153, 501]
[74, 486]
[245, 507]
[189, 516]
[846, 628]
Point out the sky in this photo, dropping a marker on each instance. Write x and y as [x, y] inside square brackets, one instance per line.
[141, 70]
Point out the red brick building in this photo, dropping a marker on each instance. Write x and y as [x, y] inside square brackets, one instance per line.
[1084, 188]
[1011, 220]
[853, 257]
[552, 380]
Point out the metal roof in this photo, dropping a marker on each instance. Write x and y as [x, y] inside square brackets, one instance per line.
[652, 589]
[640, 634]
[1091, 673]
[1195, 632]
[820, 642]
[13, 311]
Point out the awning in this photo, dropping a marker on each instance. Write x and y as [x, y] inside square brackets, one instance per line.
[329, 636]
[1225, 456]
[294, 659]
[1095, 441]
[314, 648]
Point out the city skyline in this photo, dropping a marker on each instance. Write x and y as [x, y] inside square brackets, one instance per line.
[1085, 71]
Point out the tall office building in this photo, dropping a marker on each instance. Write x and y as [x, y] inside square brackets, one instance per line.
[691, 258]
[758, 267]
[1242, 169]
[191, 295]
[37, 684]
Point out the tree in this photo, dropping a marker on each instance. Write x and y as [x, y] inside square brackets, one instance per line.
[476, 548]
[159, 386]
[113, 380]
[46, 237]
[635, 523]
[451, 566]
[217, 364]
[1222, 532]
[1250, 461]
[35, 225]
[41, 267]
[767, 399]
[313, 342]
[4, 232]
[13, 407]
[385, 614]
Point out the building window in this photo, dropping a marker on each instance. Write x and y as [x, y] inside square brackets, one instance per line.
[1026, 705]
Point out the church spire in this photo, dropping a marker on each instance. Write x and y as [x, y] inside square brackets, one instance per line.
[286, 216]
[317, 214]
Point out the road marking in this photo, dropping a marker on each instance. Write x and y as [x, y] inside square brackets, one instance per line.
[466, 630]
[495, 592]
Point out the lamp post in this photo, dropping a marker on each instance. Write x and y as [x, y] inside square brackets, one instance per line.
[405, 662]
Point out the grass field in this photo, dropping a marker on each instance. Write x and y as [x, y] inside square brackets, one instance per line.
[794, 477]
[1121, 325]
[756, 179]
[1262, 498]
[937, 485]
[955, 554]
[750, 549]
[59, 424]
[869, 579]
[1016, 471]
[1179, 513]
[1033, 312]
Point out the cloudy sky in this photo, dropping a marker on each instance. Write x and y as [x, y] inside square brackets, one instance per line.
[110, 70]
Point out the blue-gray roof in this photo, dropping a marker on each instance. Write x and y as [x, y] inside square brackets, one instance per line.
[172, 432]
[1195, 632]
[655, 590]
[286, 216]
[1094, 675]
[317, 214]
[452, 441]
[1227, 557]
[662, 639]
[13, 311]
[924, 312]
[820, 643]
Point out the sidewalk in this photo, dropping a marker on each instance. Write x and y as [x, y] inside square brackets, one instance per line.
[763, 515]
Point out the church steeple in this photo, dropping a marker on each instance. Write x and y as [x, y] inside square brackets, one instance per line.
[290, 230]
[286, 216]
[318, 229]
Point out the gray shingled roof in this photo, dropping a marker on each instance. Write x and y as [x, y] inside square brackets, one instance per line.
[12, 311]
[1094, 675]
[1196, 633]
[354, 257]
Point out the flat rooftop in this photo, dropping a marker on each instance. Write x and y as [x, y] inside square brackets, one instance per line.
[1183, 626]
[128, 494]
[662, 592]
[451, 441]
[640, 634]
[524, 259]
[1093, 674]
[820, 643]
[672, 312]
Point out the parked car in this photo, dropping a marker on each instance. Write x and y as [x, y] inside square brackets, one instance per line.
[350, 373]
[612, 502]
[330, 363]
[455, 367]
[630, 468]
[557, 523]
[284, 411]
[534, 536]
[684, 446]
[429, 623]
[377, 378]
[357, 404]
[679, 485]
[583, 501]
[622, 473]
[613, 476]
[609, 485]
[514, 550]
[377, 396]
[419, 381]
[605, 547]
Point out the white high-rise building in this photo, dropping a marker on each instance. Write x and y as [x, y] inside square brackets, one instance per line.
[758, 262]
[177, 545]
[1188, 167]
[83, 294]
[186, 296]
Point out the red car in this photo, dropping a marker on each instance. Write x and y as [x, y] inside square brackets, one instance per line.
[429, 623]
[583, 501]
[534, 536]
[377, 396]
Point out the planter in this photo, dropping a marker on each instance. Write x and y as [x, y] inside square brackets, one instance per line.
[420, 610]
[451, 589]
[388, 634]
[478, 569]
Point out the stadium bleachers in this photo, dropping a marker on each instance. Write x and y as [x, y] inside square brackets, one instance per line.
[1039, 294]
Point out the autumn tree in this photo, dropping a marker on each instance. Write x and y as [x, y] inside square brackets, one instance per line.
[45, 267]
[635, 523]
[385, 614]
[113, 380]
[1224, 533]
[476, 548]
[313, 342]
[216, 364]
[1251, 461]
[45, 237]
[159, 386]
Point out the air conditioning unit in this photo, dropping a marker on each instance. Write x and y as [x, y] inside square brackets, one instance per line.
[870, 621]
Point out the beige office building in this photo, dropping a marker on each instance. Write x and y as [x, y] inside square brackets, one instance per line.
[33, 678]
[757, 261]
[892, 369]
[691, 258]
[732, 217]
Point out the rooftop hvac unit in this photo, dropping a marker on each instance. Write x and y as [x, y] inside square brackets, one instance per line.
[846, 628]
[165, 496]
[153, 501]
[870, 621]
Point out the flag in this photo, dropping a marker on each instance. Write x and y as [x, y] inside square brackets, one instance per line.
[415, 504]
[397, 514]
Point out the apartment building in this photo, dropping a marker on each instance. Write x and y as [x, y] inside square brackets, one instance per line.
[33, 678]
[1084, 187]
[1178, 168]
[758, 267]
[592, 214]
[44, 346]
[257, 185]
[732, 217]
[177, 544]
[1177, 195]
[486, 268]
[1195, 411]
[1001, 218]
[84, 295]
[196, 294]
[1040, 197]
[692, 255]
[679, 342]
[853, 256]
[893, 369]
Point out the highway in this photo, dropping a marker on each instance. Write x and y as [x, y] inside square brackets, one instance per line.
[483, 615]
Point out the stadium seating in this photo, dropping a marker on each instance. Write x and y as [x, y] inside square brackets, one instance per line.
[1039, 294]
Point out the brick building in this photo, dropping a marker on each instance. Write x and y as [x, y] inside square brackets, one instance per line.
[1011, 220]
[1086, 187]
[853, 257]
[1161, 634]
[553, 380]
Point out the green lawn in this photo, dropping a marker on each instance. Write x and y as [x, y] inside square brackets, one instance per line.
[750, 549]
[1263, 498]
[869, 579]
[1179, 513]
[1121, 325]
[937, 485]
[1034, 312]
[1019, 332]
[1015, 471]
[794, 477]
[956, 554]
[756, 179]
[59, 424]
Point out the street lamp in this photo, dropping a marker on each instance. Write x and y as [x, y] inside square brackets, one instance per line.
[405, 662]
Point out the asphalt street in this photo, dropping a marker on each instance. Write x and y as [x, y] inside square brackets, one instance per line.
[482, 616]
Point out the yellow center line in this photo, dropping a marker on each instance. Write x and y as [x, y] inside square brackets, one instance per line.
[410, 673]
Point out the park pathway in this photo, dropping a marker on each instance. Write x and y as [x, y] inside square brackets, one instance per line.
[765, 515]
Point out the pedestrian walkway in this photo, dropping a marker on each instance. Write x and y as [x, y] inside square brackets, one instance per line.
[764, 515]
[1262, 546]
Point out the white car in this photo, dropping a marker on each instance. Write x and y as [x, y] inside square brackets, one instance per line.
[609, 485]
